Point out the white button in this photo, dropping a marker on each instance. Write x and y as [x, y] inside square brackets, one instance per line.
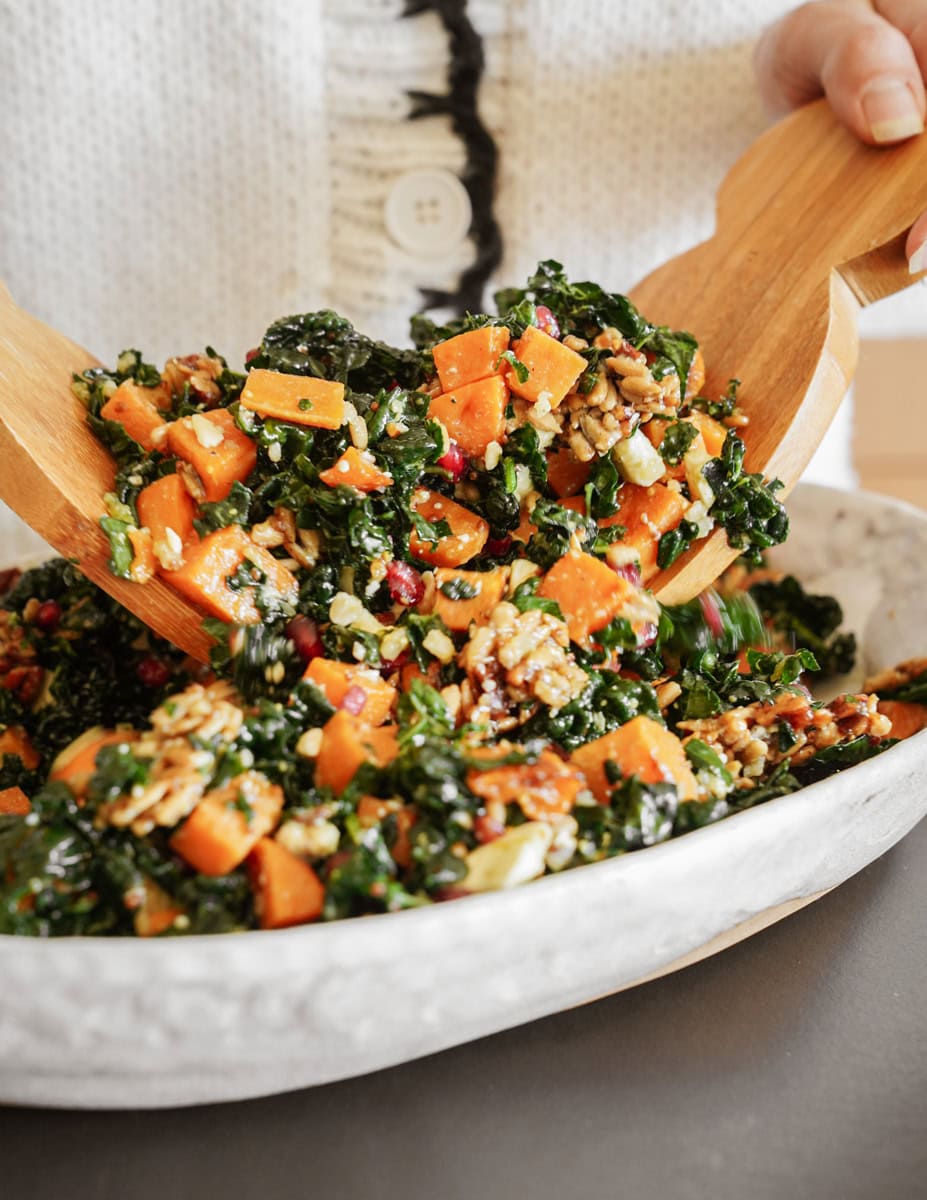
[428, 212]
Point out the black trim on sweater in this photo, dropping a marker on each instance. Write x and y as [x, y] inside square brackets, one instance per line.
[465, 70]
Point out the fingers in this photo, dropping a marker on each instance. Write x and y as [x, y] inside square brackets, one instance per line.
[843, 49]
[916, 246]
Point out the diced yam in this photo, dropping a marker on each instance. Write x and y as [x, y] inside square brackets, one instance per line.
[228, 822]
[299, 399]
[210, 563]
[347, 743]
[132, 407]
[467, 538]
[356, 469]
[641, 747]
[286, 889]
[590, 594]
[334, 679]
[473, 414]
[488, 588]
[164, 506]
[470, 356]
[219, 465]
[566, 474]
[553, 368]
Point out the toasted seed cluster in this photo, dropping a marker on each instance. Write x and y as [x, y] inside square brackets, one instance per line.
[516, 662]
[746, 738]
[625, 393]
[199, 372]
[180, 760]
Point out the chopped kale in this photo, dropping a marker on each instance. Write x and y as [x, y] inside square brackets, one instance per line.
[745, 504]
[811, 621]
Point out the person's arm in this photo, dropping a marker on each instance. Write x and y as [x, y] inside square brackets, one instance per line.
[869, 58]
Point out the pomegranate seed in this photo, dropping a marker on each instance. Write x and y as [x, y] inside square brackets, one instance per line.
[487, 829]
[405, 584]
[388, 665]
[304, 634]
[353, 700]
[711, 611]
[454, 461]
[450, 893]
[386, 618]
[546, 321]
[497, 547]
[153, 672]
[629, 571]
[49, 615]
[646, 635]
[252, 354]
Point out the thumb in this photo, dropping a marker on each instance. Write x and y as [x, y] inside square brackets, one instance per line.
[846, 51]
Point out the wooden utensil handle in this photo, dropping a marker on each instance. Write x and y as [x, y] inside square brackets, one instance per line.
[848, 205]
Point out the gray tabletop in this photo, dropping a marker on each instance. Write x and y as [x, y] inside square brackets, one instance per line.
[793, 1064]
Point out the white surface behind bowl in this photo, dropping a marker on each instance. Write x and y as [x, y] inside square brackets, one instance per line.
[126, 1023]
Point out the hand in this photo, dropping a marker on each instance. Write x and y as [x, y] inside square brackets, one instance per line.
[868, 58]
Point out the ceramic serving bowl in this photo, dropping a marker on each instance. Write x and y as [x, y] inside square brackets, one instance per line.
[122, 1023]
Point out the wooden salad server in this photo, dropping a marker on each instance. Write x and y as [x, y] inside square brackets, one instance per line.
[54, 472]
[811, 227]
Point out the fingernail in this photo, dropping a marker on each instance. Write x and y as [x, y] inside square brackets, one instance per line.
[891, 110]
[918, 260]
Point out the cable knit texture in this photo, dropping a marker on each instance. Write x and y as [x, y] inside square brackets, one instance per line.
[178, 175]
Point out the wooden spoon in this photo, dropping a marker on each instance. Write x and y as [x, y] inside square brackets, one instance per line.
[811, 227]
[54, 472]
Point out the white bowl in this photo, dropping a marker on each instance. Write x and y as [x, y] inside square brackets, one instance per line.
[116, 1023]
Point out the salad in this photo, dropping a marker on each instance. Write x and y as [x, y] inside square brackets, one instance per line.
[437, 668]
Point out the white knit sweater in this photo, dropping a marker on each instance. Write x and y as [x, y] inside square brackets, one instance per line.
[174, 175]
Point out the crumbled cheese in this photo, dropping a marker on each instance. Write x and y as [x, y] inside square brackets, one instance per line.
[208, 434]
[440, 645]
[637, 459]
[309, 744]
[514, 858]
[359, 650]
[394, 643]
[274, 452]
[522, 570]
[315, 839]
[346, 610]
[492, 456]
[696, 457]
[524, 484]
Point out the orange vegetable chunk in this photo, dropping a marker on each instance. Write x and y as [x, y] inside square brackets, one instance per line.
[470, 356]
[77, 761]
[642, 747]
[209, 563]
[143, 563]
[371, 811]
[347, 743]
[299, 399]
[473, 414]
[14, 740]
[589, 592]
[906, 718]
[227, 823]
[545, 788]
[286, 889]
[356, 469]
[467, 537]
[566, 474]
[646, 512]
[157, 912]
[14, 802]
[229, 461]
[334, 679]
[166, 504]
[489, 588]
[712, 431]
[132, 406]
[553, 368]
